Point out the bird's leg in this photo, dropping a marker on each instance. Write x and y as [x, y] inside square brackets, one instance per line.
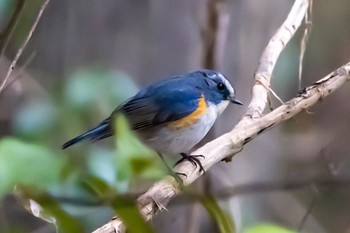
[167, 166]
[193, 159]
[175, 174]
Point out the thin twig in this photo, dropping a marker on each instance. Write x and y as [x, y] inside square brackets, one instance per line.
[20, 72]
[319, 193]
[304, 40]
[310, 208]
[20, 50]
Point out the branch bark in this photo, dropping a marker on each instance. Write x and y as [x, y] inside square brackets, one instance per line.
[251, 124]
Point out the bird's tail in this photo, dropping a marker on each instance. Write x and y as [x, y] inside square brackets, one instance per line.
[103, 130]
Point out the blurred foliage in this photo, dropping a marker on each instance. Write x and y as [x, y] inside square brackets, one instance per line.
[221, 217]
[35, 119]
[50, 210]
[46, 177]
[34, 163]
[97, 87]
[20, 164]
[268, 228]
[5, 5]
[129, 213]
[133, 158]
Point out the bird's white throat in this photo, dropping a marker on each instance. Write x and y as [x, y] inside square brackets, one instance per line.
[221, 106]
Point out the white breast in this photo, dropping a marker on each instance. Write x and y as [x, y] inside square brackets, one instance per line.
[174, 141]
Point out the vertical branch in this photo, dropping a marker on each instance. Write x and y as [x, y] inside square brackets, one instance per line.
[304, 40]
[8, 31]
[214, 34]
[213, 38]
[20, 50]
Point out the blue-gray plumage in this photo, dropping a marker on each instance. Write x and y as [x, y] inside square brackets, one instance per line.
[173, 115]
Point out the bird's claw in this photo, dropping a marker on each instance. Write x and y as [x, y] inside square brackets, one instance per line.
[193, 159]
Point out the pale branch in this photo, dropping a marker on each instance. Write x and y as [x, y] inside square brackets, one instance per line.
[19, 73]
[231, 143]
[250, 125]
[159, 195]
[24, 44]
[269, 58]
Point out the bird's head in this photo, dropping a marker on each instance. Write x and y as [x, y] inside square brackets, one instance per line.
[217, 89]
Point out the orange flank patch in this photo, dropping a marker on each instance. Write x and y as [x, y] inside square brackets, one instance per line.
[192, 118]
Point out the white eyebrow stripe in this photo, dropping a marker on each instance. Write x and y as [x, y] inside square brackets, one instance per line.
[229, 87]
[224, 80]
[227, 83]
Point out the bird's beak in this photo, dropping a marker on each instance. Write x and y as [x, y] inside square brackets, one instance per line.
[233, 100]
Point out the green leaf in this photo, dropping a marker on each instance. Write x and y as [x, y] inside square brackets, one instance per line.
[132, 157]
[35, 119]
[221, 217]
[53, 211]
[84, 89]
[98, 187]
[267, 228]
[28, 165]
[127, 210]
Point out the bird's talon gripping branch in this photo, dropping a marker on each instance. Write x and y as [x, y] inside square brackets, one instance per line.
[178, 174]
[193, 159]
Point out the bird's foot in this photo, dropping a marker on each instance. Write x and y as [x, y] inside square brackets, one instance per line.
[193, 159]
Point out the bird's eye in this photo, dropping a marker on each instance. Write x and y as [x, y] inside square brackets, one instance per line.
[221, 87]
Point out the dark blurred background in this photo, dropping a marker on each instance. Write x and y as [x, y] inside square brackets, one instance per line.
[90, 55]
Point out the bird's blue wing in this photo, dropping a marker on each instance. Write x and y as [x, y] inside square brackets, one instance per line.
[163, 103]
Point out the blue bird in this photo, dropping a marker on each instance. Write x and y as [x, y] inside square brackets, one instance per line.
[172, 115]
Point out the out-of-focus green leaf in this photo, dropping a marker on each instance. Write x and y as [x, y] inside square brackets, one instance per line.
[134, 158]
[34, 120]
[130, 215]
[36, 209]
[27, 164]
[102, 159]
[98, 187]
[267, 228]
[221, 217]
[98, 87]
[5, 5]
[101, 163]
[52, 208]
